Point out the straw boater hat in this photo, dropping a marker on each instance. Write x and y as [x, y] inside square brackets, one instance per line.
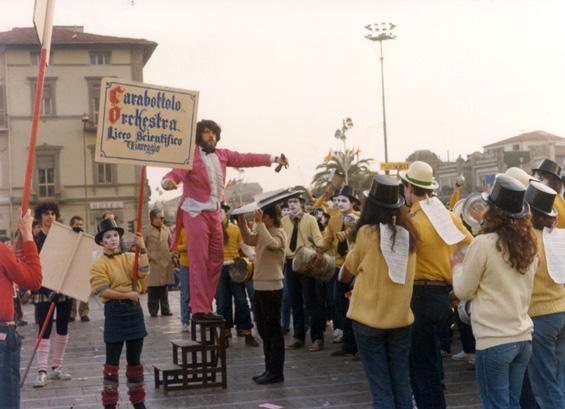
[520, 175]
[104, 226]
[385, 192]
[420, 174]
[540, 198]
[507, 196]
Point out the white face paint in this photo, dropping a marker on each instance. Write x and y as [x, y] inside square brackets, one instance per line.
[294, 207]
[343, 203]
[285, 211]
[111, 240]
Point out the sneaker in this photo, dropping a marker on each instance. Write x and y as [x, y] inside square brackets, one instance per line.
[41, 380]
[463, 356]
[337, 332]
[59, 375]
[250, 341]
[84, 318]
[295, 344]
[316, 346]
[185, 328]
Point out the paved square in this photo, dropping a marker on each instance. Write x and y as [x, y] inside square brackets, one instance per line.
[312, 380]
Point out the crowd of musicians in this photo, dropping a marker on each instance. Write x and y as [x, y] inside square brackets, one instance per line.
[403, 268]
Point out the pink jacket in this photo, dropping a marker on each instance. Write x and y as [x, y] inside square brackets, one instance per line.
[196, 183]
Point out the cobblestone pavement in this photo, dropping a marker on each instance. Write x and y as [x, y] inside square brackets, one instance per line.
[312, 380]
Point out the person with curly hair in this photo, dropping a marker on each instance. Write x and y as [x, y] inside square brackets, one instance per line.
[47, 213]
[497, 274]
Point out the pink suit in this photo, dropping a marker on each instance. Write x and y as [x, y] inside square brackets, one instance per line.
[205, 245]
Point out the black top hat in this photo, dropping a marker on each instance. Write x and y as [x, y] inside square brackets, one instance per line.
[104, 226]
[507, 195]
[385, 192]
[549, 166]
[347, 191]
[540, 198]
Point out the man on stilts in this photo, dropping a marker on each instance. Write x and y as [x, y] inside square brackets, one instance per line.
[203, 190]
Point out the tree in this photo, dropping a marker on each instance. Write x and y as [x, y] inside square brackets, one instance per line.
[357, 172]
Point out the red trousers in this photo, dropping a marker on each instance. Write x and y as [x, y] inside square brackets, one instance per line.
[205, 248]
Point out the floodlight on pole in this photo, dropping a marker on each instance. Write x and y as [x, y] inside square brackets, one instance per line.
[381, 32]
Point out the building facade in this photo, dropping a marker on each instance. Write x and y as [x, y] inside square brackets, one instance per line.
[65, 170]
[479, 169]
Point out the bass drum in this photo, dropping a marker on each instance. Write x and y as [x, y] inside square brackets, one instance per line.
[305, 262]
[241, 271]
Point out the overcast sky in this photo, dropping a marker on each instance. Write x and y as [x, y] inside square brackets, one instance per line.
[279, 76]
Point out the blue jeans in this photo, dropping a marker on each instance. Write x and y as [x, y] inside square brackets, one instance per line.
[224, 292]
[10, 368]
[430, 305]
[385, 357]
[184, 295]
[546, 369]
[500, 373]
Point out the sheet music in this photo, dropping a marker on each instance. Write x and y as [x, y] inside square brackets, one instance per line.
[440, 218]
[397, 258]
[554, 243]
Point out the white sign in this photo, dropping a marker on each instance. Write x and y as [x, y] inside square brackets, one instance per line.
[143, 124]
[554, 243]
[441, 219]
[66, 257]
[396, 257]
[43, 22]
[106, 205]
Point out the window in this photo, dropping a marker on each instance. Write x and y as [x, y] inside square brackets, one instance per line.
[46, 181]
[104, 173]
[3, 113]
[93, 99]
[35, 57]
[48, 101]
[516, 147]
[100, 57]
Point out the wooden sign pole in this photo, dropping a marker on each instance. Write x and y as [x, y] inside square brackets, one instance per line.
[135, 275]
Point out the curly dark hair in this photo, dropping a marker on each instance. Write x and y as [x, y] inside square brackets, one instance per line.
[211, 125]
[540, 220]
[374, 215]
[516, 239]
[44, 207]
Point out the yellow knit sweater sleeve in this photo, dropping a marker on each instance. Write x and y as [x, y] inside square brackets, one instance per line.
[99, 276]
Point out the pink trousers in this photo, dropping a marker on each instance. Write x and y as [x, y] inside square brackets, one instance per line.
[205, 248]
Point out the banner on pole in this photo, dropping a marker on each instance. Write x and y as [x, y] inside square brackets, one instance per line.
[143, 124]
[66, 257]
[395, 165]
[43, 22]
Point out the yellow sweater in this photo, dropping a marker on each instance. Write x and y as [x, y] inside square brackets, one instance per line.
[231, 247]
[376, 301]
[181, 248]
[306, 227]
[433, 255]
[114, 273]
[548, 297]
[331, 241]
[559, 205]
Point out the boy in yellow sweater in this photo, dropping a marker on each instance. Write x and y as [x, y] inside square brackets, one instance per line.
[111, 278]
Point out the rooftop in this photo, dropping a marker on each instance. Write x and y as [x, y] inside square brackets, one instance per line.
[71, 36]
[535, 136]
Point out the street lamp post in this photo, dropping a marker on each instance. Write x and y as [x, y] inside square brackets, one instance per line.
[381, 32]
[85, 118]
